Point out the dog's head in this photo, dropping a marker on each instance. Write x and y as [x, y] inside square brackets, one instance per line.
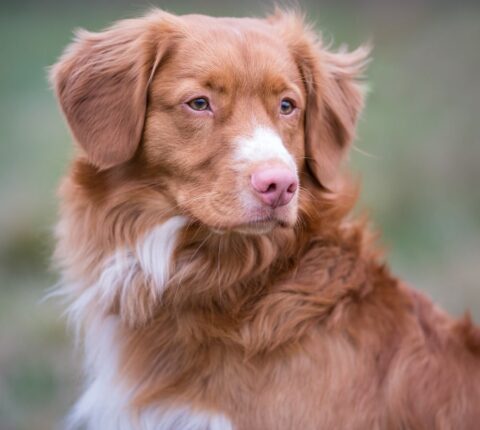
[229, 118]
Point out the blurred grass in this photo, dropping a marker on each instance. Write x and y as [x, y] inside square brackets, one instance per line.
[421, 127]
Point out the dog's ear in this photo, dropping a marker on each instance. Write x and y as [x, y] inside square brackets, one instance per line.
[335, 95]
[101, 82]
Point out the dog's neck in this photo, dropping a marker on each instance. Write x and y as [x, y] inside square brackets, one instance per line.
[214, 268]
[267, 299]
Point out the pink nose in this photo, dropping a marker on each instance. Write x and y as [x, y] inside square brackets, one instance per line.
[274, 185]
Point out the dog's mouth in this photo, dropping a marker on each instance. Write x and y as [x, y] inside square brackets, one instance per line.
[250, 220]
[258, 226]
[254, 227]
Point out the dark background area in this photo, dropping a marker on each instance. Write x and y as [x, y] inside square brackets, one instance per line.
[418, 156]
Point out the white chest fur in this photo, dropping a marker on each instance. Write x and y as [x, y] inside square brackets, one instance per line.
[105, 401]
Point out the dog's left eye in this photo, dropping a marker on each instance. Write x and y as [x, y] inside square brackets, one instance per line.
[286, 106]
[200, 103]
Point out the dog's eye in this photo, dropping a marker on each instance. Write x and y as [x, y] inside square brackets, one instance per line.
[200, 103]
[286, 106]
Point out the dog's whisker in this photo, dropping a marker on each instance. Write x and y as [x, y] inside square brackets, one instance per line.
[363, 152]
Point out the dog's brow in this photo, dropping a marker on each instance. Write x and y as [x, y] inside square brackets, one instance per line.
[215, 85]
[277, 84]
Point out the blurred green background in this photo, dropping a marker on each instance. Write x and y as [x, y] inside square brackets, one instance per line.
[418, 155]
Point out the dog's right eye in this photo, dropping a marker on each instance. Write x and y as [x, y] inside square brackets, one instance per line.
[199, 104]
[287, 106]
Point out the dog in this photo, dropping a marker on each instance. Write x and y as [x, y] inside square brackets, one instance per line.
[213, 270]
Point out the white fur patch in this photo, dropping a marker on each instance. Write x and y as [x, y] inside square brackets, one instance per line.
[105, 402]
[263, 145]
[185, 418]
[155, 251]
[150, 259]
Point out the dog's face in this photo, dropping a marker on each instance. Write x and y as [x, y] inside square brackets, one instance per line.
[226, 116]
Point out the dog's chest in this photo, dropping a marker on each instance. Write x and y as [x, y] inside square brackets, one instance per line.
[204, 383]
[298, 389]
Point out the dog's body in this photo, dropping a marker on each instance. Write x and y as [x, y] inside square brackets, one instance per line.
[205, 246]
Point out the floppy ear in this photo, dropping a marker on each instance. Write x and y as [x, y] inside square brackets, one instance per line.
[101, 82]
[334, 96]
[334, 102]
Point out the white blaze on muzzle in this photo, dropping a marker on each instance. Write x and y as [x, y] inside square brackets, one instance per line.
[263, 145]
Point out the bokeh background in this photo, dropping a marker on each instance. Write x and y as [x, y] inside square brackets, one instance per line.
[418, 155]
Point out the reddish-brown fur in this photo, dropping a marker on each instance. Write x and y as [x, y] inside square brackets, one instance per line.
[302, 327]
